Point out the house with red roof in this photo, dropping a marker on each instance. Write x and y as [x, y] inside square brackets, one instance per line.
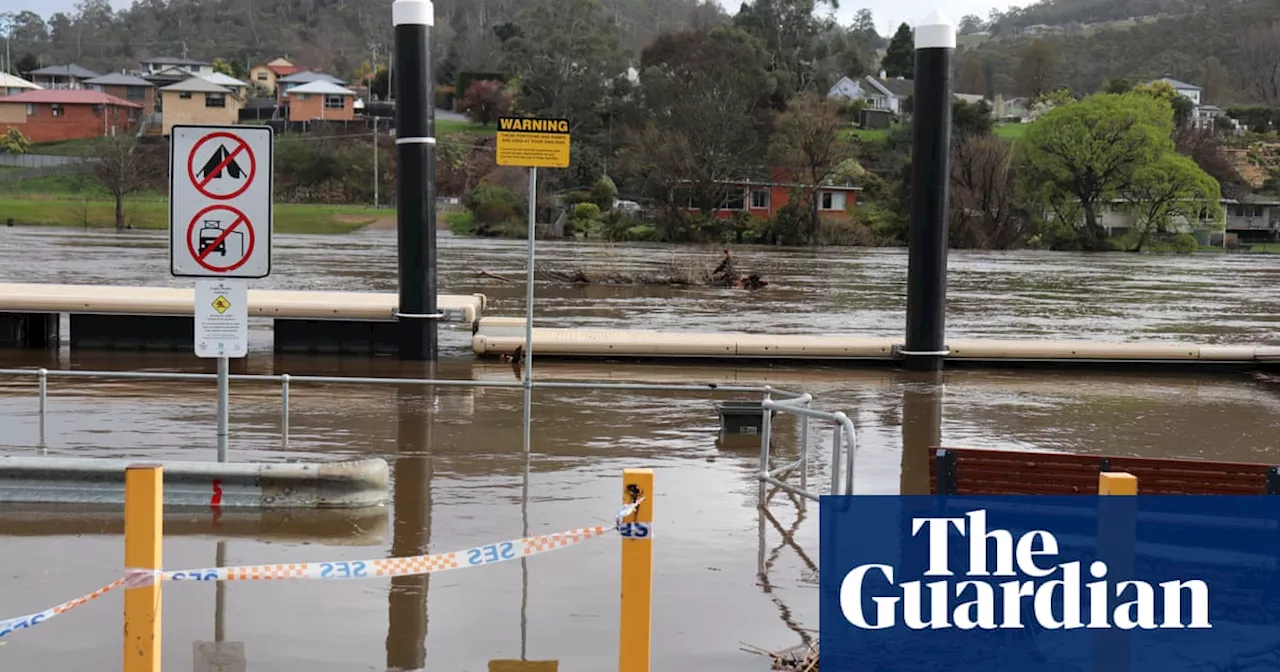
[265, 76]
[54, 115]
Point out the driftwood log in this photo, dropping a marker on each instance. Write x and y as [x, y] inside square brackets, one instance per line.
[689, 274]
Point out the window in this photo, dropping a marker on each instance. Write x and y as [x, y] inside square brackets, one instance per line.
[185, 95]
[335, 102]
[262, 76]
[826, 200]
[303, 96]
[56, 109]
[215, 100]
[735, 200]
[759, 199]
[832, 200]
[31, 109]
[135, 92]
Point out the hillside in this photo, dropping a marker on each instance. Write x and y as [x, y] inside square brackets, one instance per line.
[340, 36]
[1202, 45]
[1092, 12]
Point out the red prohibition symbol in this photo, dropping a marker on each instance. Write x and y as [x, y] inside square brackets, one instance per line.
[234, 146]
[233, 243]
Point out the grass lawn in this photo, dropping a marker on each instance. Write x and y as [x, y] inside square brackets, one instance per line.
[1012, 131]
[453, 126]
[65, 148]
[868, 134]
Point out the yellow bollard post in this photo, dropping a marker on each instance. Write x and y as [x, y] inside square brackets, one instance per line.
[637, 573]
[1117, 483]
[143, 538]
[1112, 649]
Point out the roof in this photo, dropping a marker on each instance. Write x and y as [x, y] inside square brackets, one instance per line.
[1210, 108]
[172, 60]
[281, 61]
[1177, 84]
[197, 85]
[8, 81]
[68, 97]
[118, 79]
[307, 76]
[283, 70]
[322, 88]
[70, 69]
[903, 88]
[223, 80]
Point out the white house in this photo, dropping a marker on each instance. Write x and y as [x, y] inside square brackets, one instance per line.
[883, 93]
[1203, 115]
[846, 89]
[188, 66]
[1191, 91]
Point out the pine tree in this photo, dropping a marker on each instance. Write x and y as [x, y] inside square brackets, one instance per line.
[900, 57]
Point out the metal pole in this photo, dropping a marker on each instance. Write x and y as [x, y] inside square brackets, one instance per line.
[375, 163]
[835, 460]
[766, 437]
[224, 367]
[528, 313]
[284, 409]
[44, 395]
[935, 43]
[220, 598]
[804, 452]
[415, 179]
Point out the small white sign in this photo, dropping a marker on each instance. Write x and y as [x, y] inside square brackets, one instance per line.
[222, 318]
[220, 193]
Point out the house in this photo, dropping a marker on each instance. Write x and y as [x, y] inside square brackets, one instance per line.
[1203, 115]
[1016, 110]
[11, 85]
[882, 93]
[763, 198]
[129, 87]
[237, 87]
[1189, 90]
[161, 64]
[54, 115]
[1253, 218]
[70, 76]
[264, 76]
[283, 84]
[198, 101]
[167, 76]
[321, 100]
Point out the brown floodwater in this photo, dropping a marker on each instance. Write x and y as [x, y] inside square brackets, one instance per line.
[461, 474]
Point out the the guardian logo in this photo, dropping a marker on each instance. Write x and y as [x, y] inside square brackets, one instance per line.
[1052, 594]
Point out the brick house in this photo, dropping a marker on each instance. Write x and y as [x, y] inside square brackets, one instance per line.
[321, 100]
[70, 76]
[198, 101]
[129, 87]
[763, 198]
[283, 84]
[53, 115]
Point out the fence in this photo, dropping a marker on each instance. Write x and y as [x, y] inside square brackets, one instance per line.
[843, 446]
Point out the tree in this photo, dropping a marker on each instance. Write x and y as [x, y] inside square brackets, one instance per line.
[1182, 106]
[1038, 69]
[809, 141]
[796, 39]
[485, 101]
[970, 119]
[983, 194]
[1204, 147]
[702, 118]
[900, 57]
[1260, 64]
[14, 142]
[124, 165]
[970, 24]
[1085, 154]
[222, 66]
[1118, 85]
[1168, 189]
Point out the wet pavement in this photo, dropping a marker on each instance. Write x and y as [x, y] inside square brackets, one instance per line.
[460, 472]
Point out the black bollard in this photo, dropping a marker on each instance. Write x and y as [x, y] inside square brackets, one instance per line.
[415, 178]
[925, 346]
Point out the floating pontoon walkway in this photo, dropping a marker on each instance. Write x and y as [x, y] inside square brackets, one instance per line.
[150, 318]
[501, 335]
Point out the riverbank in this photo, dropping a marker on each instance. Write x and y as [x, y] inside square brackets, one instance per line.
[154, 214]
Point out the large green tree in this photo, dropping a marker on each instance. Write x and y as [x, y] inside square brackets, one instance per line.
[1081, 156]
[1170, 190]
[900, 58]
[809, 141]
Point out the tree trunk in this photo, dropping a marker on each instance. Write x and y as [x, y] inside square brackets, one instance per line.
[1093, 231]
[119, 211]
[816, 223]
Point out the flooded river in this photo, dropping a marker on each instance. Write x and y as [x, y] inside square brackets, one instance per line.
[461, 475]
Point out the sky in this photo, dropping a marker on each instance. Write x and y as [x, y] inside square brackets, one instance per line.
[888, 13]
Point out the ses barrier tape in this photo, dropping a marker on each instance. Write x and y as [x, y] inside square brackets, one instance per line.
[348, 569]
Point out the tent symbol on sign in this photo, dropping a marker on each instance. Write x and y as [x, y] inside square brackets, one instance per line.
[210, 234]
[213, 168]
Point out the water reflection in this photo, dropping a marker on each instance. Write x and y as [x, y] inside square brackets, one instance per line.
[407, 599]
[921, 428]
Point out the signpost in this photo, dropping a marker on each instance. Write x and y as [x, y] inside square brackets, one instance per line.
[220, 221]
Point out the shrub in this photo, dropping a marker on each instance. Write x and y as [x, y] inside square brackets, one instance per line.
[14, 142]
[461, 223]
[586, 212]
[492, 205]
[604, 193]
[1185, 243]
[485, 101]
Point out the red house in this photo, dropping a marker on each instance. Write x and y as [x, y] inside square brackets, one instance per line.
[762, 198]
[53, 115]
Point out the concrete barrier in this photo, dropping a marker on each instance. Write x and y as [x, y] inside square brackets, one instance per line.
[226, 485]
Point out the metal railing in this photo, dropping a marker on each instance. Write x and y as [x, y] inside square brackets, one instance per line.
[286, 381]
[843, 445]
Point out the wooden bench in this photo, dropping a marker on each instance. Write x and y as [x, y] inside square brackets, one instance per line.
[976, 471]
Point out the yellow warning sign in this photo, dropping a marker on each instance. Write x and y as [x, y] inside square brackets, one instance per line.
[533, 143]
[221, 304]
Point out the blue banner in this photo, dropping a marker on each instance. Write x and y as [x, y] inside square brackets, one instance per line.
[1050, 584]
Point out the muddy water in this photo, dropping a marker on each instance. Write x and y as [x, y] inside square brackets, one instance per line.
[461, 474]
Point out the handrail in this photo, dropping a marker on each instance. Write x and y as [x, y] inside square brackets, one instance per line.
[843, 446]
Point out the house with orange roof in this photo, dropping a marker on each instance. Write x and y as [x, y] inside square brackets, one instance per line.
[54, 115]
[264, 76]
